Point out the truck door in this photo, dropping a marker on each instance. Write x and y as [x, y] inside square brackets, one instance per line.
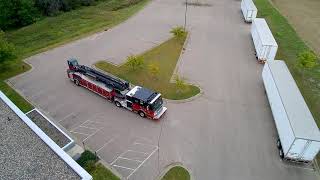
[129, 104]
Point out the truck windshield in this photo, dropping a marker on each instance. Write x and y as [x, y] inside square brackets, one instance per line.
[156, 104]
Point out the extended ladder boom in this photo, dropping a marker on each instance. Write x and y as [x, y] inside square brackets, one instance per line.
[98, 76]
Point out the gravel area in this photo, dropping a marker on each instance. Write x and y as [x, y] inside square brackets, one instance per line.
[23, 155]
[59, 138]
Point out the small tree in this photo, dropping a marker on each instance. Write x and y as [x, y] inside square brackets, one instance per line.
[307, 59]
[180, 83]
[178, 32]
[135, 62]
[7, 50]
[154, 70]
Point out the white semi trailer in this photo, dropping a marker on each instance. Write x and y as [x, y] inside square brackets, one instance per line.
[299, 136]
[249, 10]
[265, 45]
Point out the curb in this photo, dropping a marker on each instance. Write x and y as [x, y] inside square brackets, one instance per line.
[170, 166]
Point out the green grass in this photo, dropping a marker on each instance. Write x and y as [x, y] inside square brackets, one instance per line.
[89, 161]
[54, 31]
[102, 173]
[165, 56]
[290, 45]
[177, 173]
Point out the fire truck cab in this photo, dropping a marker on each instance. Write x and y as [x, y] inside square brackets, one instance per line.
[143, 101]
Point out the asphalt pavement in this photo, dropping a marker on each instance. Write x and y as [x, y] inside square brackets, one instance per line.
[226, 133]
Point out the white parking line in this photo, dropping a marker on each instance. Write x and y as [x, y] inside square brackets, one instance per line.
[92, 134]
[123, 167]
[118, 157]
[88, 127]
[137, 151]
[80, 133]
[143, 162]
[144, 144]
[66, 117]
[129, 159]
[79, 125]
[105, 144]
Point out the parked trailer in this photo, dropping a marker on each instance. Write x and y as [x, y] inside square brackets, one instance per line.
[299, 136]
[249, 10]
[265, 45]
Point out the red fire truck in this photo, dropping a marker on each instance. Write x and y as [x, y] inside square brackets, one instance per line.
[143, 101]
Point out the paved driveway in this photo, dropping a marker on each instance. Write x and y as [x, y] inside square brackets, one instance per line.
[227, 133]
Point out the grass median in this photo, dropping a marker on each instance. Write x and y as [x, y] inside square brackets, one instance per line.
[164, 56]
[290, 45]
[177, 173]
[51, 32]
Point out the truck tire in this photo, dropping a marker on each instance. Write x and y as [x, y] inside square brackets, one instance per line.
[118, 104]
[142, 114]
[76, 81]
[279, 144]
[281, 154]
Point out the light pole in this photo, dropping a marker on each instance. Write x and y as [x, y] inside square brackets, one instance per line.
[185, 15]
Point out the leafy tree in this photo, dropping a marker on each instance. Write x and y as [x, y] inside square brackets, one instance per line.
[178, 32]
[154, 70]
[307, 59]
[7, 50]
[180, 83]
[49, 7]
[16, 13]
[135, 62]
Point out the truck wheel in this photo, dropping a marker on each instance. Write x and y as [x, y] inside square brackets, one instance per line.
[278, 144]
[76, 81]
[142, 114]
[118, 104]
[281, 154]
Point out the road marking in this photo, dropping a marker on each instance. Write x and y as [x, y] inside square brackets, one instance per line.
[79, 125]
[118, 157]
[88, 127]
[92, 134]
[137, 151]
[66, 117]
[143, 162]
[80, 133]
[144, 144]
[129, 159]
[123, 167]
[105, 144]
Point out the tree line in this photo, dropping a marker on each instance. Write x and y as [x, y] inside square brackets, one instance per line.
[18, 13]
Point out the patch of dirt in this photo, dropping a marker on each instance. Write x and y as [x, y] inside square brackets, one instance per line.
[305, 18]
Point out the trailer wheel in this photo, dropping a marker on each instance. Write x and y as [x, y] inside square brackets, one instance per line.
[117, 103]
[142, 114]
[279, 144]
[281, 154]
[76, 81]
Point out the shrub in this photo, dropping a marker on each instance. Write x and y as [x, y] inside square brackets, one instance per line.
[7, 50]
[85, 157]
[135, 62]
[90, 165]
[49, 7]
[154, 70]
[179, 32]
[180, 83]
[16, 13]
[125, 4]
[307, 59]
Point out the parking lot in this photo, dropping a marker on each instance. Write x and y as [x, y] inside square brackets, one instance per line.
[227, 133]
